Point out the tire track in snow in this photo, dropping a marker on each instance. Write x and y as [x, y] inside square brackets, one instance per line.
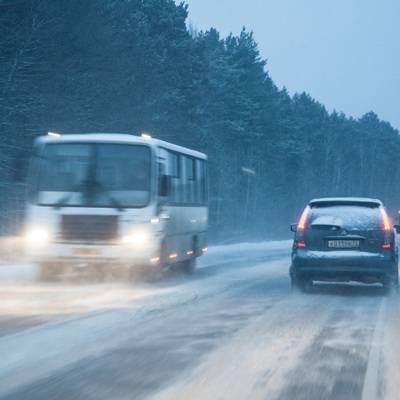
[372, 389]
[307, 347]
[33, 354]
[254, 363]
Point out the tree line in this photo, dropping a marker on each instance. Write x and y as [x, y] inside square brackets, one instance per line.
[134, 65]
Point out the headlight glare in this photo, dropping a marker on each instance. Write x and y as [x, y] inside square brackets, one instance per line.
[37, 235]
[138, 238]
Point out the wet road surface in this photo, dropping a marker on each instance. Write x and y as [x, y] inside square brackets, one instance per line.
[233, 330]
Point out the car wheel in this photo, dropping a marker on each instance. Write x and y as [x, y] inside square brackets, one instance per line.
[294, 285]
[306, 285]
[301, 283]
[391, 284]
[395, 278]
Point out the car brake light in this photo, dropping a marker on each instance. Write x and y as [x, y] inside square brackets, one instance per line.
[303, 219]
[300, 244]
[385, 220]
[387, 246]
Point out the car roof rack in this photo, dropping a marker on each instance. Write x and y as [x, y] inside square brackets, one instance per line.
[345, 201]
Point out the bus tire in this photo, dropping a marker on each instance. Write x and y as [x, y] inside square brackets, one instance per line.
[163, 255]
[189, 266]
[47, 272]
[195, 246]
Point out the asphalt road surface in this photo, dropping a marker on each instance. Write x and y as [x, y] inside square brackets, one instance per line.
[233, 330]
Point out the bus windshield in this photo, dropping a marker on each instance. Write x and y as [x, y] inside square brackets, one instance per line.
[94, 175]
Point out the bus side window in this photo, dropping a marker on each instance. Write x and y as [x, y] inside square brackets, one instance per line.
[161, 172]
[190, 168]
[205, 185]
[201, 183]
[176, 181]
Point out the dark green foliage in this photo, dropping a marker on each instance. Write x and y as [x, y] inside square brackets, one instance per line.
[132, 66]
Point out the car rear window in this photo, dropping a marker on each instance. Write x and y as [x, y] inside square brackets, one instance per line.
[346, 216]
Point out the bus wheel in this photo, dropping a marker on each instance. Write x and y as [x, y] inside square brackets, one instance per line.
[163, 255]
[48, 272]
[188, 266]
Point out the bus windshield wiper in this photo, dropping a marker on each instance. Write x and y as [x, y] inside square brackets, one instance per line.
[89, 189]
[94, 187]
[67, 197]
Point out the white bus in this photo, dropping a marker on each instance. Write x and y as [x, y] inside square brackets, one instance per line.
[108, 200]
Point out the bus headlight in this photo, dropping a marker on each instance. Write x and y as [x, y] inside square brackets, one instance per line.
[37, 235]
[138, 238]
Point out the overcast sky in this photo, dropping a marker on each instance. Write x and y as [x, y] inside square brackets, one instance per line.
[345, 53]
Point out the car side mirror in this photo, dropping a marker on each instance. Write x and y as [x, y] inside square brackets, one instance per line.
[397, 228]
[293, 227]
[165, 186]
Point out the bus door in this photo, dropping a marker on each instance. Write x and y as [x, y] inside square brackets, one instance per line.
[170, 208]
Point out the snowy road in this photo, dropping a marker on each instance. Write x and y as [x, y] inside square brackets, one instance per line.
[232, 331]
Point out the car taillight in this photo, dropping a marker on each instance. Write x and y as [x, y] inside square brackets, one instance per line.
[303, 219]
[385, 220]
[387, 245]
[300, 243]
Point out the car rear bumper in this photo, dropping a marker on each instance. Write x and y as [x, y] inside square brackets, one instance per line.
[343, 266]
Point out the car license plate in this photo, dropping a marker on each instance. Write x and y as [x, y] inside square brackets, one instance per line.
[343, 244]
[85, 251]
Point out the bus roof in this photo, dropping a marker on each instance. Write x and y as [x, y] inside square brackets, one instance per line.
[117, 138]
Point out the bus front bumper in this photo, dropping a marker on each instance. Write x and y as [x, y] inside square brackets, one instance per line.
[77, 253]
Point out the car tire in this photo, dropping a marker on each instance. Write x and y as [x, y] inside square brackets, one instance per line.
[294, 286]
[391, 284]
[300, 283]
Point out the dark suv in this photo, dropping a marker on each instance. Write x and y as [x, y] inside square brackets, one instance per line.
[344, 239]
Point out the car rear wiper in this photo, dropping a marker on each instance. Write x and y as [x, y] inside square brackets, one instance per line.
[326, 227]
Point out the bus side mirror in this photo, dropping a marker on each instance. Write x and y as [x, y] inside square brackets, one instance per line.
[165, 186]
[397, 228]
[293, 227]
